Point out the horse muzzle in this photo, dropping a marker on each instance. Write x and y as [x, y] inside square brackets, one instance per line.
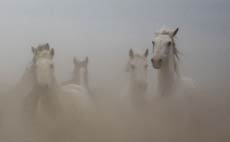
[156, 63]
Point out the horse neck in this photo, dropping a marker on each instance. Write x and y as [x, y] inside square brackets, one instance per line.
[81, 79]
[52, 89]
[167, 76]
[86, 79]
[76, 77]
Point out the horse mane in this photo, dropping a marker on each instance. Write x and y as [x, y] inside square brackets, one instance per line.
[74, 77]
[139, 56]
[43, 47]
[164, 31]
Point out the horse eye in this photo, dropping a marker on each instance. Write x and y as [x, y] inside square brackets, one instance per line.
[169, 43]
[51, 66]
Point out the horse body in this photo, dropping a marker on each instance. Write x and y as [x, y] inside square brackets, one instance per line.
[77, 99]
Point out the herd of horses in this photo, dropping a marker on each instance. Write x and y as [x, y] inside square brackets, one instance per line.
[44, 88]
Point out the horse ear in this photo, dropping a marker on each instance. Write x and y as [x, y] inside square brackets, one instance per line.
[175, 32]
[47, 46]
[146, 52]
[131, 54]
[52, 52]
[75, 61]
[86, 60]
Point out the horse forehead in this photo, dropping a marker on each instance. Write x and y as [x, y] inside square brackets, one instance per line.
[43, 54]
[162, 39]
[44, 61]
[138, 59]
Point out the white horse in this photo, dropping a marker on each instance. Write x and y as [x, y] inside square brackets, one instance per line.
[80, 74]
[46, 94]
[43, 82]
[54, 107]
[137, 82]
[165, 57]
[175, 90]
[26, 82]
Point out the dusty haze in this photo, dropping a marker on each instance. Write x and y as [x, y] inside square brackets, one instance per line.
[105, 31]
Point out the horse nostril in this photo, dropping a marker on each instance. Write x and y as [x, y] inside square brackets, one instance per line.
[152, 60]
[160, 60]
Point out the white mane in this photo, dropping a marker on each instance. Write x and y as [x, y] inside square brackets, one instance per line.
[165, 30]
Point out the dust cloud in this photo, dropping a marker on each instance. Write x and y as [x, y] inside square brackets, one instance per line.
[105, 31]
[112, 120]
